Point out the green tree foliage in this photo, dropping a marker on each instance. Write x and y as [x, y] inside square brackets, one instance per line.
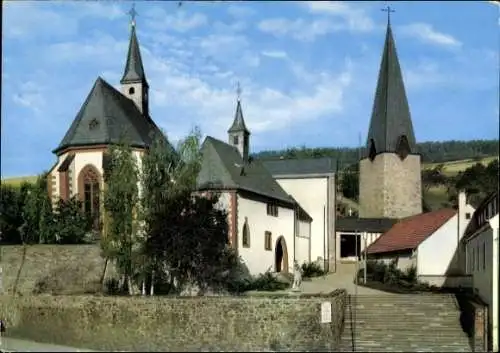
[350, 182]
[120, 203]
[434, 177]
[11, 205]
[432, 152]
[187, 235]
[477, 181]
[69, 223]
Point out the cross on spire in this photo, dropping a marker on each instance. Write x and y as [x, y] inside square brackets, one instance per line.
[132, 14]
[388, 9]
[238, 91]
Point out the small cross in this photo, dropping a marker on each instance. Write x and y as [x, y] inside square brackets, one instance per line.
[388, 10]
[238, 90]
[132, 14]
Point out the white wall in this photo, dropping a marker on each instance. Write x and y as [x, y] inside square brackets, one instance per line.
[312, 195]
[404, 261]
[485, 276]
[256, 257]
[436, 255]
[302, 253]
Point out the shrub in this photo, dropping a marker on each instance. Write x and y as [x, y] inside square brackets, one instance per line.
[267, 282]
[410, 275]
[392, 274]
[312, 269]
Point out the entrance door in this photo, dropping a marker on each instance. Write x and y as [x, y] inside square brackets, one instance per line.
[281, 255]
[349, 245]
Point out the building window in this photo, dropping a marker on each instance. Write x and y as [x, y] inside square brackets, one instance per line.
[484, 256]
[467, 215]
[246, 234]
[272, 210]
[477, 258]
[235, 140]
[268, 241]
[91, 196]
[131, 90]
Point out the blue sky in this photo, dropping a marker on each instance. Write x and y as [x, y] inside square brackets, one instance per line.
[307, 69]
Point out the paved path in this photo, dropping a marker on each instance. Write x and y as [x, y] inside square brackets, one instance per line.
[16, 345]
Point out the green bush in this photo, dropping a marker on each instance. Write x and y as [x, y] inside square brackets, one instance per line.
[392, 274]
[311, 269]
[410, 275]
[267, 282]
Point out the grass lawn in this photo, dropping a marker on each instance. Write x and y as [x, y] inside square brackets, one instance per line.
[453, 167]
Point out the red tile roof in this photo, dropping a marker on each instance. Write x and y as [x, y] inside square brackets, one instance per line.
[409, 232]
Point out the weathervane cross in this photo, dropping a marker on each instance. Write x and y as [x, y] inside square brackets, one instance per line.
[132, 14]
[388, 9]
[238, 90]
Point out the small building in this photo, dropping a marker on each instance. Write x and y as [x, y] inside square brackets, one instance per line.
[429, 242]
[267, 227]
[481, 246]
[311, 181]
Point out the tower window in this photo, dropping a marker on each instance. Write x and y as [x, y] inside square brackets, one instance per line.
[235, 140]
[246, 234]
[131, 90]
[372, 152]
[403, 147]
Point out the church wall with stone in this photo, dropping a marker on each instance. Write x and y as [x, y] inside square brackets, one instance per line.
[390, 187]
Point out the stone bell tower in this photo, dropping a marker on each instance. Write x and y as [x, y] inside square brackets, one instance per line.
[390, 182]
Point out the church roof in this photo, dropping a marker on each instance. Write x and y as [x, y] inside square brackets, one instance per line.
[134, 70]
[107, 116]
[223, 168]
[238, 122]
[304, 166]
[391, 117]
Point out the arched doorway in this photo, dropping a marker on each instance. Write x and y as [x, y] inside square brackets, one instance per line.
[89, 191]
[281, 255]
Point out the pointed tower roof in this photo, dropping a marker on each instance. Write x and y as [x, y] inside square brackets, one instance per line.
[134, 70]
[238, 122]
[391, 119]
[105, 117]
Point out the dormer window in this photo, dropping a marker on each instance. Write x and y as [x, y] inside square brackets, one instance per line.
[235, 140]
[93, 125]
[403, 147]
[131, 90]
[372, 152]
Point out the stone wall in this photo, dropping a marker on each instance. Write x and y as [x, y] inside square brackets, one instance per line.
[271, 323]
[77, 268]
[390, 187]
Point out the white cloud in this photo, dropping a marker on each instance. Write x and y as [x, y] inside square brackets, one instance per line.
[299, 29]
[356, 19]
[30, 96]
[275, 54]
[181, 21]
[427, 34]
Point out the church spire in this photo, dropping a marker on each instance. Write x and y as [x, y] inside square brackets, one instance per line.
[239, 135]
[391, 128]
[134, 70]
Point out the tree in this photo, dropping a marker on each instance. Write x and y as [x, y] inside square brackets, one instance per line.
[186, 235]
[350, 182]
[120, 202]
[70, 224]
[10, 214]
[433, 177]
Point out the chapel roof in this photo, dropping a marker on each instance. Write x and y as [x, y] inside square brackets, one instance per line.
[134, 70]
[238, 122]
[107, 116]
[391, 118]
[304, 166]
[410, 232]
[223, 168]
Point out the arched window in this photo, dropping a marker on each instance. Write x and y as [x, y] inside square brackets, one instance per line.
[372, 152]
[89, 183]
[246, 234]
[403, 147]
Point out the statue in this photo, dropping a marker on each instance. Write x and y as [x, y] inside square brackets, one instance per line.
[297, 276]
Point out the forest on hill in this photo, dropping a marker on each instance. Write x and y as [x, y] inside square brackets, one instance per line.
[431, 152]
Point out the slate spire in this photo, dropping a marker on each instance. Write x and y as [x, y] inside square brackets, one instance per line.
[238, 134]
[391, 128]
[238, 122]
[134, 70]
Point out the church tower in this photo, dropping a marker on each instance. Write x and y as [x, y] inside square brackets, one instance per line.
[390, 184]
[238, 134]
[134, 83]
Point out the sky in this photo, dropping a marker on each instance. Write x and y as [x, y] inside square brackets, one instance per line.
[307, 70]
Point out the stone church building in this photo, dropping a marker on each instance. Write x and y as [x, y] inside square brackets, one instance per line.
[279, 211]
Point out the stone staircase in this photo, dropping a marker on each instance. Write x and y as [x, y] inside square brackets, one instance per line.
[403, 323]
